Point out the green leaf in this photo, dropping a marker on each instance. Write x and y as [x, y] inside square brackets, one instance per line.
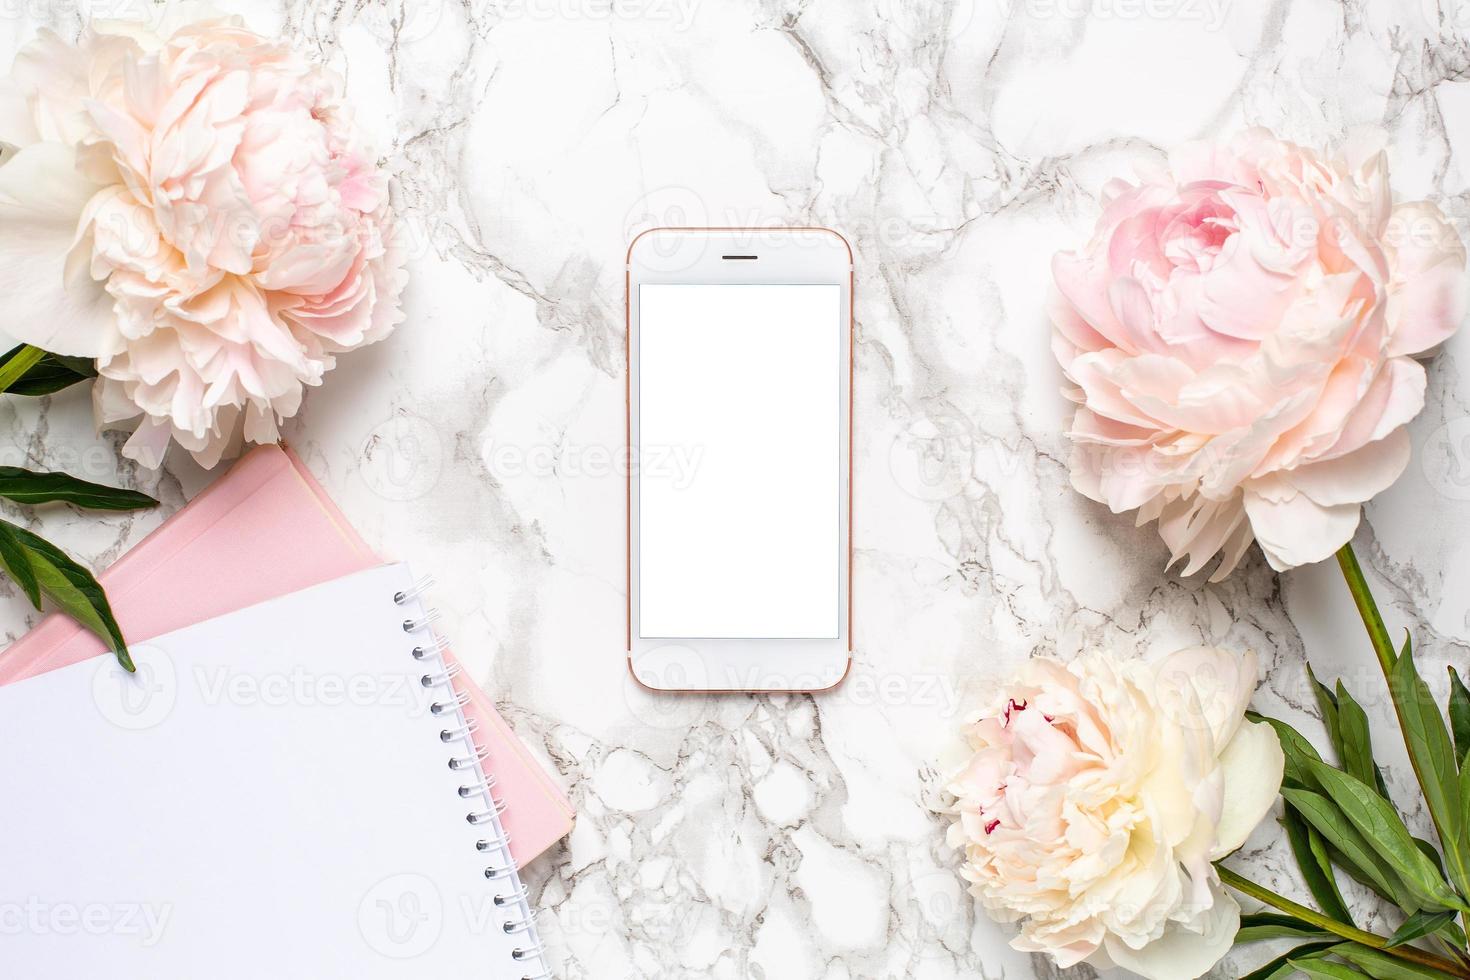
[1427, 849]
[1377, 821]
[27, 370]
[1327, 704]
[30, 487]
[1298, 752]
[1382, 966]
[1357, 744]
[17, 362]
[1281, 966]
[1434, 760]
[1273, 925]
[1465, 807]
[17, 563]
[1420, 924]
[1358, 854]
[1311, 857]
[72, 588]
[1459, 715]
[1325, 969]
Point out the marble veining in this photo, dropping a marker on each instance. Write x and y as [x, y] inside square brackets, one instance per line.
[957, 145]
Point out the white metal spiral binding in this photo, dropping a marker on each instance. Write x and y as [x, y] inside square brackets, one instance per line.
[430, 649]
[468, 762]
[433, 647]
[459, 700]
[439, 677]
[414, 591]
[515, 927]
[526, 952]
[422, 623]
[469, 728]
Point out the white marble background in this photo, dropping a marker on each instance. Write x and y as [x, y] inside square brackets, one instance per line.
[957, 145]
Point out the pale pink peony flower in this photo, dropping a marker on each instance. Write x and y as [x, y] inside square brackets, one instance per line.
[1098, 795]
[1241, 332]
[195, 209]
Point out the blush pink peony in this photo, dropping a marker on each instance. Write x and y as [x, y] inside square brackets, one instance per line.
[1097, 797]
[195, 209]
[1240, 335]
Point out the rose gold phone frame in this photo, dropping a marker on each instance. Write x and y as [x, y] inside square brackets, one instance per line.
[628, 443]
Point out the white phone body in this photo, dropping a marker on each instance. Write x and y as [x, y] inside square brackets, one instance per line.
[739, 427]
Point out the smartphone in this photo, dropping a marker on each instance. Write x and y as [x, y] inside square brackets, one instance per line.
[739, 429]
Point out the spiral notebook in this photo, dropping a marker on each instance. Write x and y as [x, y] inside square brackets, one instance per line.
[265, 529]
[289, 791]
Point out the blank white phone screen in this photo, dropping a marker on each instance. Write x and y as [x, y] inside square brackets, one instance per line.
[739, 482]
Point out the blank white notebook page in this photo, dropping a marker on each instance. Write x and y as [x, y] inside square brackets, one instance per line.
[739, 439]
[268, 796]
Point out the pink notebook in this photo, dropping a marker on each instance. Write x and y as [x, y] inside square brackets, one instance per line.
[267, 513]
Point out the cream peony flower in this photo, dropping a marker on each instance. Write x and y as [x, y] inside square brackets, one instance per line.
[1098, 796]
[1241, 332]
[193, 208]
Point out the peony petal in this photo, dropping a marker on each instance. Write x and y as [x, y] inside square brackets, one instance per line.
[1393, 399]
[41, 202]
[17, 122]
[1426, 296]
[1297, 530]
[148, 442]
[1252, 764]
[1183, 953]
[1207, 686]
[1357, 477]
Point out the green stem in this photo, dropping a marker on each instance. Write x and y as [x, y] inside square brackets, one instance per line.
[12, 370]
[1411, 954]
[1368, 609]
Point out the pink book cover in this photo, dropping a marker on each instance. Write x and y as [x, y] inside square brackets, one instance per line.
[209, 559]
